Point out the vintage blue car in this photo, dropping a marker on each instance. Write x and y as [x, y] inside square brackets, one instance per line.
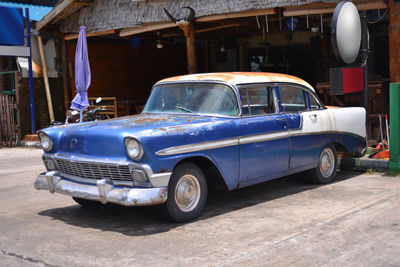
[237, 128]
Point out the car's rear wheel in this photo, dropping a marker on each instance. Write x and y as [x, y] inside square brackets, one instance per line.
[187, 192]
[89, 204]
[327, 165]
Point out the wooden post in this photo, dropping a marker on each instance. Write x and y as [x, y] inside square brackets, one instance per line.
[46, 79]
[188, 31]
[394, 41]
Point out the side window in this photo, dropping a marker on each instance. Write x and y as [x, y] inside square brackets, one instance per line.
[313, 102]
[292, 98]
[257, 100]
[245, 103]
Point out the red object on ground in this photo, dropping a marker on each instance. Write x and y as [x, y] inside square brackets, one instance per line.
[353, 80]
[382, 155]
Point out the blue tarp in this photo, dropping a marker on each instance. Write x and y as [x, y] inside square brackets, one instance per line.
[35, 12]
[11, 26]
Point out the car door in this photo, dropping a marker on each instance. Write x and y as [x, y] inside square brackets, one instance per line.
[263, 135]
[304, 122]
[319, 124]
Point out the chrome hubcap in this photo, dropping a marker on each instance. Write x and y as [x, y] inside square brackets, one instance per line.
[327, 162]
[187, 192]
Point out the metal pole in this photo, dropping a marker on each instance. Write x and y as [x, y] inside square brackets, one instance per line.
[31, 95]
[365, 52]
[394, 149]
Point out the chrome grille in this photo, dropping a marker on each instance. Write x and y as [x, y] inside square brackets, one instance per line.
[93, 170]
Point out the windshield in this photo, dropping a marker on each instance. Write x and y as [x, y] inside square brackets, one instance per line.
[204, 98]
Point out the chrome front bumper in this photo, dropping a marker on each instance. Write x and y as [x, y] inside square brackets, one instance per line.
[103, 191]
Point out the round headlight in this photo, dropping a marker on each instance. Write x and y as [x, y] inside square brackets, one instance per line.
[45, 141]
[133, 148]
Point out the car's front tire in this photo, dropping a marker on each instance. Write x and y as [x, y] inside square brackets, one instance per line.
[327, 165]
[187, 192]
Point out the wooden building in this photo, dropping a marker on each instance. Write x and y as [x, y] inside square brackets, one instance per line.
[133, 43]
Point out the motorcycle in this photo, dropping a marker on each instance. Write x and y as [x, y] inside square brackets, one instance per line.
[73, 116]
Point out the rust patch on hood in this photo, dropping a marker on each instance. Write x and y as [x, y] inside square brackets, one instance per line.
[174, 129]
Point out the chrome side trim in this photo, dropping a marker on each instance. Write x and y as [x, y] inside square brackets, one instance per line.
[300, 133]
[103, 191]
[242, 140]
[263, 137]
[198, 147]
[223, 143]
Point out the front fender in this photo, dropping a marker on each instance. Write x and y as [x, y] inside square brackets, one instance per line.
[225, 159]
[206, 140]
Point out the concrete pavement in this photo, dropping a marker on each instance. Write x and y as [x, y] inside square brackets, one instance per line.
[354, 221]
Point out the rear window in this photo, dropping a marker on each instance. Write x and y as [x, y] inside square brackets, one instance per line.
[292, 98]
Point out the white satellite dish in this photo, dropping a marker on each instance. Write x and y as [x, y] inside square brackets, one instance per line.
[346, 32]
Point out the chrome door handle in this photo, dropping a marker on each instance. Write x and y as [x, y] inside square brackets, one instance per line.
[313, 116]
[281, 119]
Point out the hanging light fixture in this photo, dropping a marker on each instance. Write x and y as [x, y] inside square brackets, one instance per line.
[159, 45]
[222, 49]
[315, 29]
[314, 26]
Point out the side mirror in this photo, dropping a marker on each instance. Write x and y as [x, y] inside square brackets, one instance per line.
[98, 100]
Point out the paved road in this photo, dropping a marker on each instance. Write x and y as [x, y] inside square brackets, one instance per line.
[354, 221]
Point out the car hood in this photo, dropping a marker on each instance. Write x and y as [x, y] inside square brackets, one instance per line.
[106, 137]
[137, 123]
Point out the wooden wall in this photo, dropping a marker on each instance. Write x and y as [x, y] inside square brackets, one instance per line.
[126, 72]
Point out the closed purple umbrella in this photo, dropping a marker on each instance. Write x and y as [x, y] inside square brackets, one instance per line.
[82, 73]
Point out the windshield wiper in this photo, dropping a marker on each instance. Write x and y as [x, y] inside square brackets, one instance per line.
[185, 109]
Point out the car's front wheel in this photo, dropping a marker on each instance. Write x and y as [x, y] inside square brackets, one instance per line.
[327, 165]
[187, 192]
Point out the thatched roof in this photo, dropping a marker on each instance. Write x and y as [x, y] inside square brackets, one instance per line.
[103, 15]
